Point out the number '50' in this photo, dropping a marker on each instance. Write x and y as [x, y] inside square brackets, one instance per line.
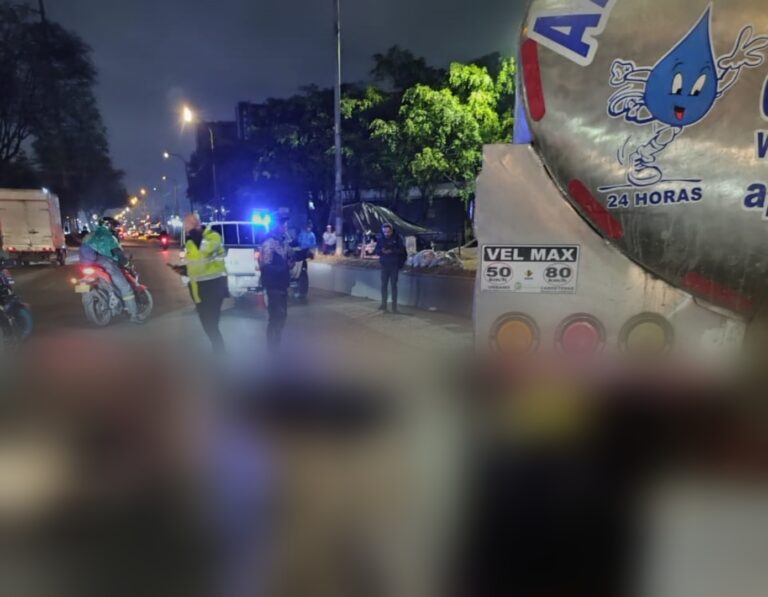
[496, 272]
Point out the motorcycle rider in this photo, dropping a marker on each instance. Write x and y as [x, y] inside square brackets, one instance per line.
[102, 248]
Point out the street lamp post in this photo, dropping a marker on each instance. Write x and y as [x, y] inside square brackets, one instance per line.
[175, 194]
[339, 198]
[168, 155]
[189, 117]
[216, 195]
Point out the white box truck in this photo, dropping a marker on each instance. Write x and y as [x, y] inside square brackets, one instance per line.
[30, 226]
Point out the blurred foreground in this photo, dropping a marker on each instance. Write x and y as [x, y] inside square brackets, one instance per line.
[374, 457]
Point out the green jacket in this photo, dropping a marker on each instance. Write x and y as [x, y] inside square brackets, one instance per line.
[103, 242]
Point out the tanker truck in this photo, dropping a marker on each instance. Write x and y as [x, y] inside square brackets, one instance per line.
[631, 212]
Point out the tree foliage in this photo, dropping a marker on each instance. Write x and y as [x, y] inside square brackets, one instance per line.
[438, 134]
[417, 127]
[51, 130]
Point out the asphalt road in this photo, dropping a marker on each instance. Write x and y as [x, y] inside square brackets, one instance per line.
[325, 321]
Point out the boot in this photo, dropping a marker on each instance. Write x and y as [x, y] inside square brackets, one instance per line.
[133, 311]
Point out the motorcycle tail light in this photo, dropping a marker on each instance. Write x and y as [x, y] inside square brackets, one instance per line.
[88, 271]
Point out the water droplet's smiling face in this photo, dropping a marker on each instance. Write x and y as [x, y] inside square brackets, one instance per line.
[682, 87]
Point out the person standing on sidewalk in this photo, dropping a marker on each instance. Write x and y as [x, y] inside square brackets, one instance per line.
[207, 275]
[307, 246]
[391, 252]
[275, 262]
[329, 241]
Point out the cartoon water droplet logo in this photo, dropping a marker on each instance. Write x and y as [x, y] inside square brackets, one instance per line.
[682, 87]
[678, 92]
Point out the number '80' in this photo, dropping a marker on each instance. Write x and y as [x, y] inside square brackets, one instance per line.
[562, 272]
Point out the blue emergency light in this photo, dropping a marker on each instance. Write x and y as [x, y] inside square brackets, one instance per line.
[262, 218]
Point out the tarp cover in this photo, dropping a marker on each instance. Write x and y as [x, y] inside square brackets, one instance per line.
[368, 218]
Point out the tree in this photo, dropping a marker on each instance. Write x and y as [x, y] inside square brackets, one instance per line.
[19, 81]
[438, 134]
[401, 70]
[48, 105]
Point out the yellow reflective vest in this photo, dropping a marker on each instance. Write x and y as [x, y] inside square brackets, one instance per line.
[205, 263]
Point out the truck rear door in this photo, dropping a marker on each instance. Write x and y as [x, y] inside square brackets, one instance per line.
[38, 218]
[13, 225]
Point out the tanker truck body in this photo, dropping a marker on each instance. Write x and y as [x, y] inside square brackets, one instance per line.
[632, 211]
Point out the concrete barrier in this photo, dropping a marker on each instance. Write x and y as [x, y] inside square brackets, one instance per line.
[448, 294]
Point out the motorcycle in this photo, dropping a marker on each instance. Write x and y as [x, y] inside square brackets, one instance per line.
[165, 241]
[299, 287]
[102, 301]
[15, 317]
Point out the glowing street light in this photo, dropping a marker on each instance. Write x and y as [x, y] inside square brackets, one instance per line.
[134, 201]
[143, 192]
[166, 155]
[187, 115]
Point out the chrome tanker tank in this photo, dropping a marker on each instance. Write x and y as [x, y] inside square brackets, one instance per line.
[651, 116]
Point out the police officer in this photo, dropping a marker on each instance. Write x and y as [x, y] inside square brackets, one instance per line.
[275, 262]
[207, 276]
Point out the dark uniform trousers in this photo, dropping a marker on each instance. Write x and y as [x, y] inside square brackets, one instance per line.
[212, 294]
[277, 299]
[390, 272]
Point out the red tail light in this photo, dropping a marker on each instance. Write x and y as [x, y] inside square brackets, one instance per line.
[88, 271]
[581, 334]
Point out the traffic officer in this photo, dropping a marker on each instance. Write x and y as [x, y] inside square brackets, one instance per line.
[275, 263]
[207, 276]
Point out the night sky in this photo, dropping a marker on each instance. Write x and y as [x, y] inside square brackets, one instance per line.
[152, 55]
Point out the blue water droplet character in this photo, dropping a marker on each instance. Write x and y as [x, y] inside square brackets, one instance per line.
[679, 91]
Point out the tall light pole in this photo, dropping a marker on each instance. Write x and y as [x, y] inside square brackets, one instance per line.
[175, 194]
[189, 117]
[338, 197]
[168, 155]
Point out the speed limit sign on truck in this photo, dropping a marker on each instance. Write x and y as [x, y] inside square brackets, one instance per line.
[547, 269]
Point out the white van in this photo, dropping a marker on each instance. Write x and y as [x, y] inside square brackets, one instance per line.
[241, 241]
